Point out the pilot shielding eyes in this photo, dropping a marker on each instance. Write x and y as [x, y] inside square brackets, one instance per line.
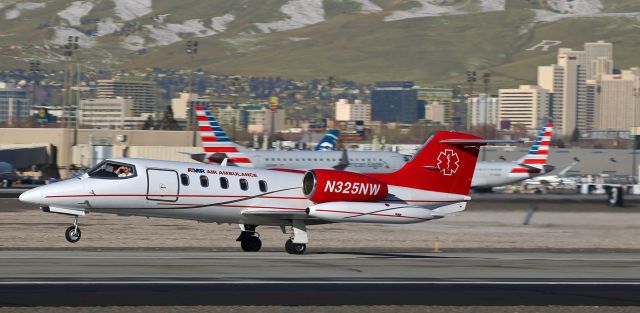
[123, 171]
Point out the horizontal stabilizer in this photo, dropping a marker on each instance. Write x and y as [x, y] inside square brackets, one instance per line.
[449, 209]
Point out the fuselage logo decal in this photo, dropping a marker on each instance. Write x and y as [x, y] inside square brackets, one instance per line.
[448, 162]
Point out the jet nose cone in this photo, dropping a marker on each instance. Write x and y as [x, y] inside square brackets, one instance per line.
[31, 196]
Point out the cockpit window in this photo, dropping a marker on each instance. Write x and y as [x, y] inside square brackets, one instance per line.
[112, 170]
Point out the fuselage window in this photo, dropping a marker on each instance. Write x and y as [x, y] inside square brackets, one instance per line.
[297, 159]
[204, 181]
[244, 184]
[184, 179]
[224, 183]
[263, 185]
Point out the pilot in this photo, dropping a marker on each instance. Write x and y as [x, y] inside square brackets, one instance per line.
[123, 171]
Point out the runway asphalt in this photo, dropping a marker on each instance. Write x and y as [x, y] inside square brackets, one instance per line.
[80, 278]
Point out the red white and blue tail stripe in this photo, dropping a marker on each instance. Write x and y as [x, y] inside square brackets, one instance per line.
[536, 159]
[217, 145]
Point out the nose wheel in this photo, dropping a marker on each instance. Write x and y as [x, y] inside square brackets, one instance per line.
[249, 239]
[73, 233]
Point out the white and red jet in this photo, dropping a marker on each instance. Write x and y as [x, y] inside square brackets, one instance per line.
[433, 184]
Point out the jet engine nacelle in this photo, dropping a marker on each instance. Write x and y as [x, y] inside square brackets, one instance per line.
[322, 185]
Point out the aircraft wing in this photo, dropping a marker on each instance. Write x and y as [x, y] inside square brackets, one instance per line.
[275, 213]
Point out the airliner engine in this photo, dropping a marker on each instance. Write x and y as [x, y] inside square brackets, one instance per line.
[321, 185]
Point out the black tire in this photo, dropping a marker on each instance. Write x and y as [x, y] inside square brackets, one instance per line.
[295, 248]
[288, 246]
[73, 234]
[251, 244]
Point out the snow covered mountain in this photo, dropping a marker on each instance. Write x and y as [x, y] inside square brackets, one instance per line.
[132, 32]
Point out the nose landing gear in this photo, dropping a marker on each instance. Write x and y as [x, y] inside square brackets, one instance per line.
[249, 239]
[73, 233]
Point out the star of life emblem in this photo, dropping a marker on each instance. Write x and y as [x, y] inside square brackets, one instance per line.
[448, 162]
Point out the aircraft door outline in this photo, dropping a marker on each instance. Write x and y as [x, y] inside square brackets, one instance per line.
[162, 185]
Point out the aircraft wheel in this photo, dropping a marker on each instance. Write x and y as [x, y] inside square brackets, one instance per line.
[251, 244]
[73, 234]
[295, 248]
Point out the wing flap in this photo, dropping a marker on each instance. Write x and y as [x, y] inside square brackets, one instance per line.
[274, 212]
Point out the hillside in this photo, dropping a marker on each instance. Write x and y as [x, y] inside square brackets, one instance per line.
[429, 41]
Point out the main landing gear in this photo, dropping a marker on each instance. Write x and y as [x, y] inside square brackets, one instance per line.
[297, 244]
[249, 238]
[73, 233]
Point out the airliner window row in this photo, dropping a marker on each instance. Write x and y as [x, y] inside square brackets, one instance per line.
[318, 159]
[224, 182]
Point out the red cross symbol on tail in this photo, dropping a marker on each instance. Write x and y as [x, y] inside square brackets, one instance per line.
[448, 162]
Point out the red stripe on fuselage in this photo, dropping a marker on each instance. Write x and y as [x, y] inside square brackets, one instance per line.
[229, 196]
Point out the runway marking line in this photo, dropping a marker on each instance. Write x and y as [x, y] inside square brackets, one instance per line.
[184, 282]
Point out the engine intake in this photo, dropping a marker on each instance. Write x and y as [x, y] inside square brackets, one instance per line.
[321, 185]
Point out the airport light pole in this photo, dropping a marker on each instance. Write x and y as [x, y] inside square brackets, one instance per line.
[71, 46]
[191, 50]
[471, 78]
[486, 79]
[34, 68]
[634, 170]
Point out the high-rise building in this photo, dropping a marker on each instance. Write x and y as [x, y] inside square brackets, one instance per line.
[180, 106]
[15, 103]
[618, 100]
[356, 111]
[587, 116]
[438, 104]
[143, 93]
[526, 106]
[435, 112]
[105, 113]
[599, 58]
[258, 118]
[484, 110]
[394, 102]
[567, 81]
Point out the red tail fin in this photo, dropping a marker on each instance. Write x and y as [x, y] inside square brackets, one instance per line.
[444, 164]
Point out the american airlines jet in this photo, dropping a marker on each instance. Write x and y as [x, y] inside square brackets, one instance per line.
[217, 147]
[432, 185]
[494, 174]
